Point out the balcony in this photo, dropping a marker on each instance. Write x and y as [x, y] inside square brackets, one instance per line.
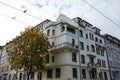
[65, 45]
[92, 65]
[91, 54]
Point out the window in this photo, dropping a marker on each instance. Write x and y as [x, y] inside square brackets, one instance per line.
[98, 51]
[81, 33]
[84, 73]
[86, 36]
[100, 41]
[99, 62]
[103, 63]
[20, 77]
[32, 75]
[39, 76]
[105, 75]
[90, 35]
[52, 58]
[73, 42]
[91, 60]
[47, 60]
[58, 72]
[96, 39]
[71, 30]
[62, 28]
[49, 73]
[53, 43]
[102, 52]
[48, 32]
[93, 73]
[92, 48]
[87, 47]
[82, 59]
[53, 32]
[74, 72]
[74, 57]
[81, 45]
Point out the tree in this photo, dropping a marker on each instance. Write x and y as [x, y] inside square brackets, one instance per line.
[29, 50]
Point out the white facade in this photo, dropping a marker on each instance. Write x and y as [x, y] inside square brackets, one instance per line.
[78, 51]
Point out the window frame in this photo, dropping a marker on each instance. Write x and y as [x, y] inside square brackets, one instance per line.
[58, 73]
[84, 74]
[83, 59]
[49, 73]
[74, 57]
[75, 75]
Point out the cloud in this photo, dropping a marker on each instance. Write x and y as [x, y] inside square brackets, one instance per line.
[50, 9]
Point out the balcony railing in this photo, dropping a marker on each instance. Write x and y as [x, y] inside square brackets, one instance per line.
[91, 64]
[66, 45]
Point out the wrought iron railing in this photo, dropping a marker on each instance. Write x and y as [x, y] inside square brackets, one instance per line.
[65, 44]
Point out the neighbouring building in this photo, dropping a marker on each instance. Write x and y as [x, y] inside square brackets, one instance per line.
[4, 64]
[113, 52]
[78, 52]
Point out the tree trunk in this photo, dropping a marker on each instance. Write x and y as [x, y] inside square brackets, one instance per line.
[28, 74]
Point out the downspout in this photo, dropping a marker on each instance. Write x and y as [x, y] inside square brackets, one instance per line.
[108, 62]
[79, 55]
[108, 65]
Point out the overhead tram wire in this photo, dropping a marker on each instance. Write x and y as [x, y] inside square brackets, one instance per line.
[21, 11]
[25, 11]
[13, 18]
[102, 14]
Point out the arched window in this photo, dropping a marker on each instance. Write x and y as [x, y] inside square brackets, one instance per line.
[92, 48]
[96, 39]
[81, 33]
[100, 41]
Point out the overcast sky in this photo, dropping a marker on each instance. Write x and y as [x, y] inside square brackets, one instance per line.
[50, 9]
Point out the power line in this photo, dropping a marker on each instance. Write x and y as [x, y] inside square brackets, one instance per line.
[14, 18]
[102, 14]
[25, 11]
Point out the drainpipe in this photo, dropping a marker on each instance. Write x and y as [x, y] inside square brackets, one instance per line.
[79, 55]
[108, 64]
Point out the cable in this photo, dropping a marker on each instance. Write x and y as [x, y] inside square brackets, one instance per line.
[102, 14]
[14, 18]
[20, 10]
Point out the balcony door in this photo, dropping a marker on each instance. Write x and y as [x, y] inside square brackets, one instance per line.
[91, 60]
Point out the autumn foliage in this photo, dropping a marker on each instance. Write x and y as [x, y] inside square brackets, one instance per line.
[29, 50]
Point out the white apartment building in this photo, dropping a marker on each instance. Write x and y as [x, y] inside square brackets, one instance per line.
[78, 51]
[4, 64]
[113, 52]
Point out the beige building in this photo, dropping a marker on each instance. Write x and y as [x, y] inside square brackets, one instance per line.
[78, 52]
